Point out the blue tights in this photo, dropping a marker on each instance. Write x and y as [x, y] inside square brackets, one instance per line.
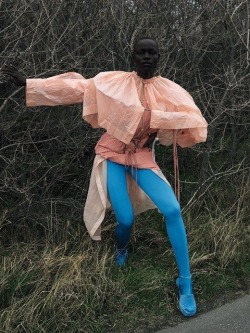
[163, 197]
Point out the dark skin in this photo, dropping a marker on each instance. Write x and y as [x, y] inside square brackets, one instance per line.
[145, 56]
[13, 75]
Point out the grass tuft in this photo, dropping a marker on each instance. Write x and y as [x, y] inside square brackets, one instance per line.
[64, 282]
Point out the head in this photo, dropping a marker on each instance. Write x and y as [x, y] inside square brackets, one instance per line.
[146, 56]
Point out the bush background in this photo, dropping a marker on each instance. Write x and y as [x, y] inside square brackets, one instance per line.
[53, 277]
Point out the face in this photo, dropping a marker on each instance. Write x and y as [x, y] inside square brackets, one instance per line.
[146, 56]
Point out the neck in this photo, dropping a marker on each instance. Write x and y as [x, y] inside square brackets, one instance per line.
[145, 74]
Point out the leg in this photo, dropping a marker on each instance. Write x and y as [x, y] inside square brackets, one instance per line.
[164, 198]
[120, 201]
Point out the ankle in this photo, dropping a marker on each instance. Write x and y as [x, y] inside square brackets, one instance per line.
[121, 256]
[185, 284]
[121, 251]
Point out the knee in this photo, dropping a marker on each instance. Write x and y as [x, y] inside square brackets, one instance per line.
[172, 211]
[126, 219]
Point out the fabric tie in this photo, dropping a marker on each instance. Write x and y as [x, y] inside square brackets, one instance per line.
[177, 187]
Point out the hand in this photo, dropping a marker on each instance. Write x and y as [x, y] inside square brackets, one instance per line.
[150, 140]
[13, 75]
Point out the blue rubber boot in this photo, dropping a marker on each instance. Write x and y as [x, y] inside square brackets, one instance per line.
[187, 304]
[121, 257]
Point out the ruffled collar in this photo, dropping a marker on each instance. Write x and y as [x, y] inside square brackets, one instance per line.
[139, 79]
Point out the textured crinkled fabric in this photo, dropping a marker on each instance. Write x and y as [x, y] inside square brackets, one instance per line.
[114, 101]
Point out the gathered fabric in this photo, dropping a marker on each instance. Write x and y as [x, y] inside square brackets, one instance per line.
[111, 101]
[130, 109]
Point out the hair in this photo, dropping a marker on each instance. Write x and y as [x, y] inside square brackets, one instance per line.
[142, 38]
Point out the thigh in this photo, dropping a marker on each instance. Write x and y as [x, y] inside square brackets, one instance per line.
[158, 190]
[117, 188]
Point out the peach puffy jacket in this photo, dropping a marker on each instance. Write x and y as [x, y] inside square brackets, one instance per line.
[112, 100]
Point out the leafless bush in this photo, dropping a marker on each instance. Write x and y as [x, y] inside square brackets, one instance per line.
[47, 153]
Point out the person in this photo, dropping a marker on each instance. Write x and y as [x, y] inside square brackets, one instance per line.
[134, 108]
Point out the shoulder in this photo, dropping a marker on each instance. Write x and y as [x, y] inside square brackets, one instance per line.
[171, 85]
[112, 81]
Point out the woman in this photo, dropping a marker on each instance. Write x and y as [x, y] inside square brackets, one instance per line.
[134, 108]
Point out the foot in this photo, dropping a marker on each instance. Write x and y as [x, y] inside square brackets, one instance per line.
[121, 257]
[187, 304]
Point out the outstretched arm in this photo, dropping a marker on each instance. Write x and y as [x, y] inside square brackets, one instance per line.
[62, 89]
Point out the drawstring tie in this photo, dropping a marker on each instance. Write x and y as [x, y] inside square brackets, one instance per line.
[177, 187]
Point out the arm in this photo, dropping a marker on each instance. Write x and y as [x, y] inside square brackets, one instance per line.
[188, 121]
[62, 89]
[150, 140]
[186, 137]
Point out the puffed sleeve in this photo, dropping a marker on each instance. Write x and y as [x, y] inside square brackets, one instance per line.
[67, 88]
[186, 137]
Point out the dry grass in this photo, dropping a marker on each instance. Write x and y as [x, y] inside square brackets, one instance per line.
[73, 285]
